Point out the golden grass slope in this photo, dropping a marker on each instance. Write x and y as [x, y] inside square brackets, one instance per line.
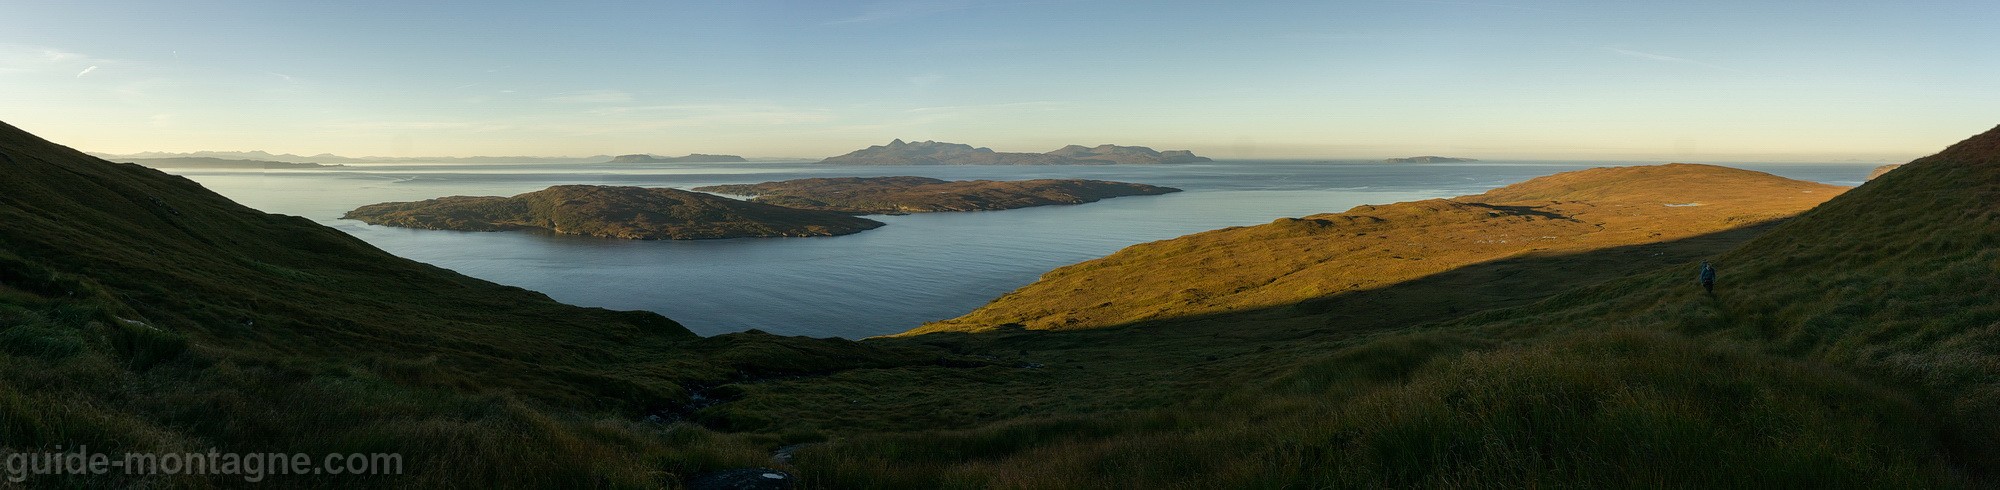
[1291, 260]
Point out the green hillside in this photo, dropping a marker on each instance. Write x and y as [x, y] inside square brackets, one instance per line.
[139, 311]
[1852, 345]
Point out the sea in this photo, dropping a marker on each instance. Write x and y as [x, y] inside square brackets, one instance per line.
[919, 268]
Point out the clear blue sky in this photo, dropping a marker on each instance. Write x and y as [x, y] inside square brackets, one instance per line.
[1686, 80]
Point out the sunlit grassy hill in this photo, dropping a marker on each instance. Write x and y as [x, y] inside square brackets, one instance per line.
[1368, 247]
[1854, 345]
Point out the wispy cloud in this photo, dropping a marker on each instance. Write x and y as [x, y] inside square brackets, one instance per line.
[682, 115]
[1038, 105]
[593, 97]
[425, 126]
[27, 58]
[86, 71]
[895, 11]
[927, 79]
[1669, 59]
[1479, 4]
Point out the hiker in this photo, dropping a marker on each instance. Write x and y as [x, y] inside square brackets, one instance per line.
[1707, 277]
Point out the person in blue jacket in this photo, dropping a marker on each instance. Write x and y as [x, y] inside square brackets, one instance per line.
[1707, 277]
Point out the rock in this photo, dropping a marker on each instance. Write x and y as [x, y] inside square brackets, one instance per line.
[743, 479]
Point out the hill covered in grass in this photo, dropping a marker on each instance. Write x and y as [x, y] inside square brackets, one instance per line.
[141, 312]
[889, 195]
[1851, 345]
[1296, 260]
[615, 212]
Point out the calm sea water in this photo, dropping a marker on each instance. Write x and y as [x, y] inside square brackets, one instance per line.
[919, 268]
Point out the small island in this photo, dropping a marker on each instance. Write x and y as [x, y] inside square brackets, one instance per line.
[897, 195]
[637, 213]
[691, 158]
[1430, 159]
[898, 152]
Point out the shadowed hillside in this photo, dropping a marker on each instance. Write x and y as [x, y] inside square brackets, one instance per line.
[1292, 260]
[141, 312]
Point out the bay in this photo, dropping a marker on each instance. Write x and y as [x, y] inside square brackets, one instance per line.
[919, 268]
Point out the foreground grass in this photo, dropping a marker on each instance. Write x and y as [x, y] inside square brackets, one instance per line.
[1618, 408]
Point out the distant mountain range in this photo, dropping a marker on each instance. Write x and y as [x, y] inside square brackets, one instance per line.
[692, 157]
[1430, 159]
[895, 153]
[328, 158]
[906, 194]
[217, 163]
[940, 153]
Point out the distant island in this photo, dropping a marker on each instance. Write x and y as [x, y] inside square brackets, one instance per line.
[898, 152]
[1430, 159]
[329, 158]
[893, 195]
[695, 157]
[219, 163]
[637, 213]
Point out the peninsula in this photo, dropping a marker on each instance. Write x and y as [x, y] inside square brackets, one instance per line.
[898, 152]
[894, 195]
[691, 158]
[1430, 159]
[637, 213]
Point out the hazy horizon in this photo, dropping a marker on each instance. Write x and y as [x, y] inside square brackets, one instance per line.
[1688, 81]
